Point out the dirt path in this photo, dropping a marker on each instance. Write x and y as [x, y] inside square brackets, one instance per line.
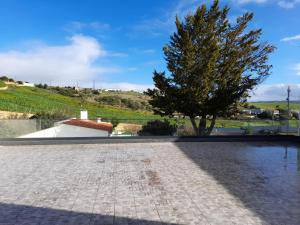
[14, 115]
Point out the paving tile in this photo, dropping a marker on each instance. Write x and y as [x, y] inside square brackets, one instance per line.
[153, 184]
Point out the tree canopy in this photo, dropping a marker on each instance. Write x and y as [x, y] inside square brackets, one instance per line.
[213, 65]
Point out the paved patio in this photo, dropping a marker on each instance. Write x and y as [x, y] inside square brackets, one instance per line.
[155, 183]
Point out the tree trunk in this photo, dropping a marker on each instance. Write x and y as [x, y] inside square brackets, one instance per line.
[201, 130]
[202, 126]
[212, 125]
[196, 130]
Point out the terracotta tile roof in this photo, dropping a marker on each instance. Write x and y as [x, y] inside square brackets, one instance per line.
[90, 124]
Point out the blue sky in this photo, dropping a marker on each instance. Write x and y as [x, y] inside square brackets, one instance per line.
[119, 43]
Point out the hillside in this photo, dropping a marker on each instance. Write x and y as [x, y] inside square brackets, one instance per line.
[2, 84]
[272, 105]
[120, 99]
[34, 100]
[129, 99]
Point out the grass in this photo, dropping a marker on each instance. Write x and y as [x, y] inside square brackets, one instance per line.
[2, 84]
[34, 100]
[222, 123]
[272, 105]
[126, 94]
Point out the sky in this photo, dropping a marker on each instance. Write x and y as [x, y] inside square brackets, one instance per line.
[118, 44]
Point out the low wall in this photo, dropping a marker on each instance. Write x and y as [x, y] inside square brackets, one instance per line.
[16, 127]
[102, 140]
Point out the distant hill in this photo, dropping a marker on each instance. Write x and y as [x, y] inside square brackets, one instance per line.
[35, 100]
[126, 106]
[272, 104]
[2, 84]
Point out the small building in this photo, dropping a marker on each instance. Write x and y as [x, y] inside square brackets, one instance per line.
[74, 128]
[253, 111]
[82, 127]
[27, 84]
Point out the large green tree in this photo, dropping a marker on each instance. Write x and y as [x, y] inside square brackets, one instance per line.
[213, 65]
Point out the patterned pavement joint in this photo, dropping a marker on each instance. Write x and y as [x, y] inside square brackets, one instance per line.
[153, 184]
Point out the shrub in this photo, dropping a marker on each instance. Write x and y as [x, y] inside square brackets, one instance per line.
[95, 92]
[48, 119]
[265, 115]
[66, 91]
[44, 86]
[4, 78]
[185, 131]
[252, 107]
[114, 122]
[123, 102]
[158, 127]
[268, 132]
[247, 130]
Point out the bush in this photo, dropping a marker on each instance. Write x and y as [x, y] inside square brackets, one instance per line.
[114, 122]
[158, 127]
[247, 130]
[185, 131]
[4, 78]
[252, 107]
[48, 119]
[123, 102]
[265, 115]
[43, 86]
[268, 132]
[66, 91]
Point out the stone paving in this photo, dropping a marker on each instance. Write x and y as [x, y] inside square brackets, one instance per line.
[153, 183]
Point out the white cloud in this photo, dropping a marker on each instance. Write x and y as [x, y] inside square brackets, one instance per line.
[250, 1]
[77, 26]
[275, 92]
[288, 4]
[165, 23]
[132, 69]
[63, 64]
[149, 51]
[292, 38]
[297, 69]
[125, 86]
[117, 54]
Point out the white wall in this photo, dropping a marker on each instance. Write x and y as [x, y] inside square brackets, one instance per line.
[28, 85]
[64, 130]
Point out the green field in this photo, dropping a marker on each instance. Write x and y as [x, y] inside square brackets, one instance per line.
[2, 84]
[34, 100]
[272, 105]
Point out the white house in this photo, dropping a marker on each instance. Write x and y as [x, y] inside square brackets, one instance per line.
[74, 128]
[253, 111]
[27, 84]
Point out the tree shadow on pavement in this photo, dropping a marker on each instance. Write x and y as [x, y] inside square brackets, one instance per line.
[264, 177]
[11, 214]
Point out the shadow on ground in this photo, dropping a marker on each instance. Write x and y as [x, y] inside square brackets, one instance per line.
[11, 214]
[265, 178]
